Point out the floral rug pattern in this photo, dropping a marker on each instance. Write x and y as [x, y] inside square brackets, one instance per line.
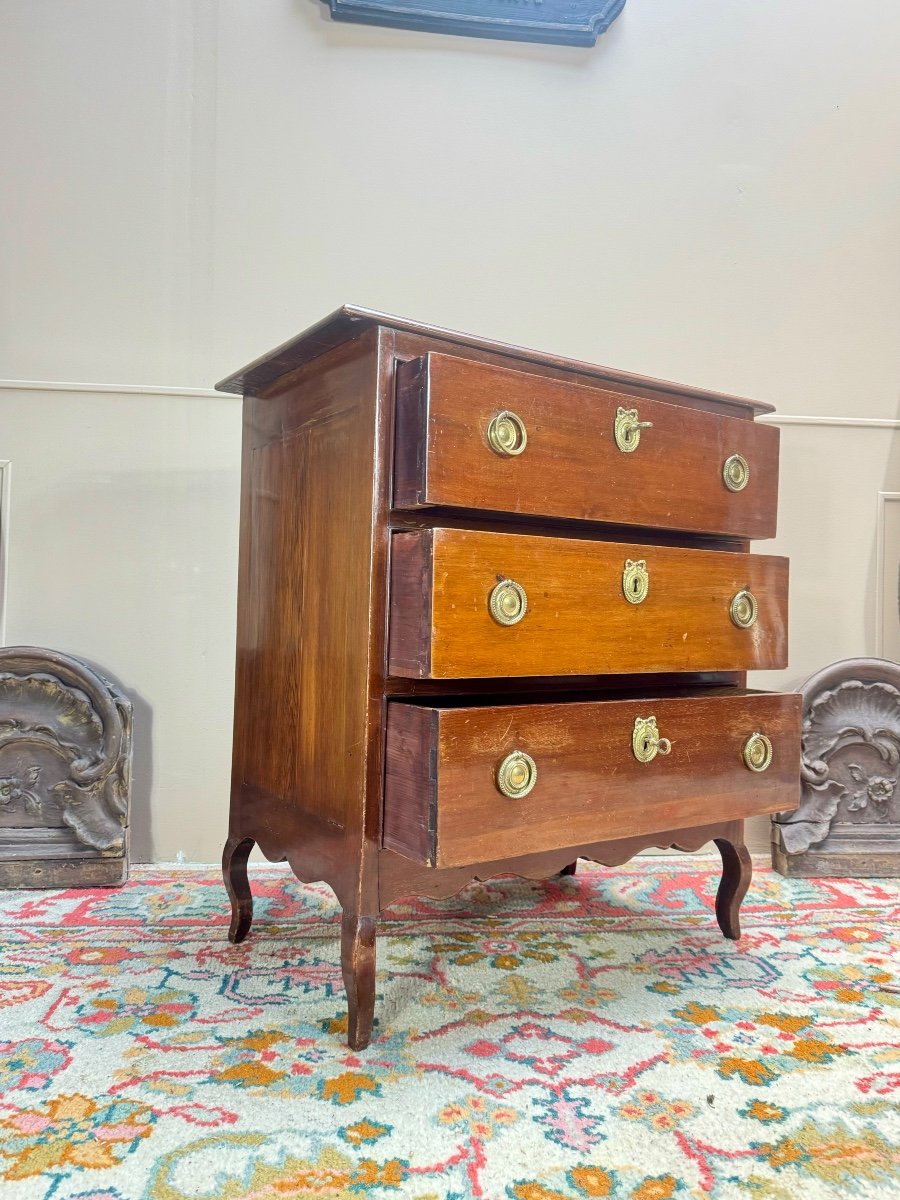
[591, 1036]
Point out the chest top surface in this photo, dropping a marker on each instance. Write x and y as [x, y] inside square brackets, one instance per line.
[350, 321]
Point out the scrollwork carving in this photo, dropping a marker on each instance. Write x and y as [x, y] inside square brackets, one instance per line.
[850, 766]
[65, 763]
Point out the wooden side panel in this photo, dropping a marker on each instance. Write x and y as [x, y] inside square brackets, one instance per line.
[410, 786]
[578, 621]
[571, 466]
[590, 787]
[305, 611]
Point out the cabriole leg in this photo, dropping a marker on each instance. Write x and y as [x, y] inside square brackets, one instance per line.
[358, 967]
[737, 870]
[234, 872]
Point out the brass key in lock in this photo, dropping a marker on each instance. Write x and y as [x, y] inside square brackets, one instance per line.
[627, 429]
[646, 742]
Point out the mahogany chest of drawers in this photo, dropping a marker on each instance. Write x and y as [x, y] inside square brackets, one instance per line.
[495, 614]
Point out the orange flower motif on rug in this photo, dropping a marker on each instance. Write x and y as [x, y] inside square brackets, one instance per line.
[71, 1131]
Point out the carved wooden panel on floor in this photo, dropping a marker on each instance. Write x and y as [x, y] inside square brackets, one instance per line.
[848, 822]
[65, 772]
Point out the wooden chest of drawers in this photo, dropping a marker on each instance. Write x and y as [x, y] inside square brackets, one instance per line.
[495, 614]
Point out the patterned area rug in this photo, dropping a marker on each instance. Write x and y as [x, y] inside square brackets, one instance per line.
[586, 1037]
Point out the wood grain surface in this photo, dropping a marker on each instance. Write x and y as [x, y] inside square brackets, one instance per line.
[571, 466]
[578, 621]
[305, 611]
[442, 805]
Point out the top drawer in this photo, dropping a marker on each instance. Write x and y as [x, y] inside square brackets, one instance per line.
[673, 473]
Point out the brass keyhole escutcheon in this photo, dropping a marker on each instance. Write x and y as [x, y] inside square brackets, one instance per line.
[508, 602]
[736, 473]
[757, 752]
[744, 609]
[627, 429]
[646, 742]
[507, 435]
[517, 775]
[635, 581]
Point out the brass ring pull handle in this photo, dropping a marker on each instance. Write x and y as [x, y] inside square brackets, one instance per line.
[744, 609]
[516, 775]
[757, 752]
[508, 602]
[736, 473]
[507, 435]
[646, 742]
[628, 428]
[635, 581]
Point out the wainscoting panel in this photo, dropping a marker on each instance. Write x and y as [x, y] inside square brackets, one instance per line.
[887, 594]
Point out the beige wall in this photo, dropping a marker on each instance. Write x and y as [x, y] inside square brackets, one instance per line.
[709, 195]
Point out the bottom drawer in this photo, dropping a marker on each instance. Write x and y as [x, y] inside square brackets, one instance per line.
[470, 784]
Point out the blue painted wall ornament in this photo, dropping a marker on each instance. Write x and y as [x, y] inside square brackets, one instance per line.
[562, 22]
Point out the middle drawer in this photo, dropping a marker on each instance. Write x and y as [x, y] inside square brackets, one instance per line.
[466, 604]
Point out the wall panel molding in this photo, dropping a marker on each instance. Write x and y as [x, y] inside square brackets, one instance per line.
[152, 389]
[126, 389]
[844, 422]
[5, 481]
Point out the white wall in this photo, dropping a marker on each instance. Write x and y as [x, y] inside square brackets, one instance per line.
[712, 194]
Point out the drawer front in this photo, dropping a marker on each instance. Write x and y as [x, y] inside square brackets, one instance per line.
[571, 464]
[577, 620]
[443, 803]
